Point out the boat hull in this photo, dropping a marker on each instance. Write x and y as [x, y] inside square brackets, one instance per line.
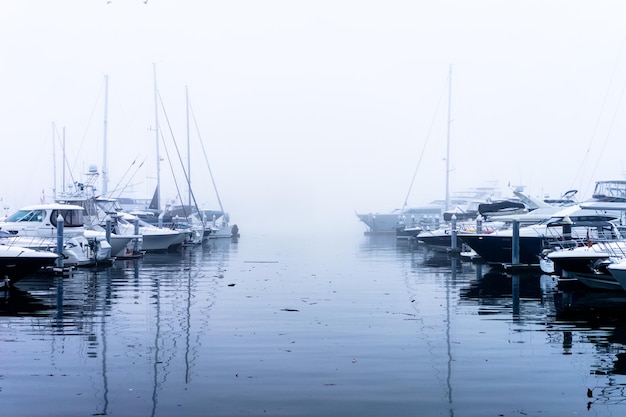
[17, 263]
[599, 281]
[571, 262]
[438, 241]
[497, 249]
[618, 271]
[390, 222]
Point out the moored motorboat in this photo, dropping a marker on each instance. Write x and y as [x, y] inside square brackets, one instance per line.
[17, 262]
[153, 238]
[618, 272]
[96, 220]
[389, 222]
[441, 239]
[497, 247]
[594, 262]
[35, 227]
[590, 264]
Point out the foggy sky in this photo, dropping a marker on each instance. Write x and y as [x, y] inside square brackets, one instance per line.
[310, 110]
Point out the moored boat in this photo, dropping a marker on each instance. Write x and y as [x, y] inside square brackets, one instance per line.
[35, 227]
[618, 272]
[17, 262]
[496, 247]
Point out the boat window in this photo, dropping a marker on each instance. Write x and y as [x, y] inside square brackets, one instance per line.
[27, 216]
[71, 218]
[553, 221]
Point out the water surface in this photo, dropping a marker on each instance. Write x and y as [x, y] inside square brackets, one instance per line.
[308, 325]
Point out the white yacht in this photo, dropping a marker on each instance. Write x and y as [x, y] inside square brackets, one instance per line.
[35, 227]
[95, 221]
[153, 238]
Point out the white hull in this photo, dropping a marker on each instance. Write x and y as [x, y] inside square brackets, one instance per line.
[381, 222]
[76, 250]
[154, 239]
[122, 246]
[215, 233]
[618, 271]
[154, 242]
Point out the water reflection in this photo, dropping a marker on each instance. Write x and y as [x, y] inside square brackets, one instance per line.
[531, 302]
[148, 311]
[16, 302]
[411, 328]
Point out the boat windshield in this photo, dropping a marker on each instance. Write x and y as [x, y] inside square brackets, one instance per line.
[27, 216]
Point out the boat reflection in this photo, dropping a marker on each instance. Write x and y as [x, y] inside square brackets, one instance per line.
[145, 314]
[17, 302]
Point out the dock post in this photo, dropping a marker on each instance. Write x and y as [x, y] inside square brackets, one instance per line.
[567, 231]
[137, 234]
[453, 233]
[60, 224]
[515, 243]
[108, 229]
[515, 295]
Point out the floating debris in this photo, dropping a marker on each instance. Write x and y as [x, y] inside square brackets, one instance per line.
[260, 262]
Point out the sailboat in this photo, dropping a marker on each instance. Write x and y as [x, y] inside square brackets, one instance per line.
[408, 221]
[216, 222]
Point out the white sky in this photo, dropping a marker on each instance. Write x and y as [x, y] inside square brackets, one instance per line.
[315, 109]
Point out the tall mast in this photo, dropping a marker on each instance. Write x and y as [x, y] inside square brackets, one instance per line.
[156, 129]
[188, 148]
[54, 162]
[63, 159]
[105, 169]
[448, 141]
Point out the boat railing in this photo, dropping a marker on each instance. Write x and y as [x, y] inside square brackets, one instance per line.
[614, 248]
[600, 239]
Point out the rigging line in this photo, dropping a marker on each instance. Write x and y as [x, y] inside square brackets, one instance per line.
[608, 134]
[180, 160]
[128, 183]
[169, 162]
[602, 106]
[93, 110]
[119, 183]
[430, 128]
[66, 162]
[206, 160]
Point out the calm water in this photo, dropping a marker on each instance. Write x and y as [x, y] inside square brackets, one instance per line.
[308, 326]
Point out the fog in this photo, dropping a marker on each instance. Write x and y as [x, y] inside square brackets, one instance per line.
[310, 110]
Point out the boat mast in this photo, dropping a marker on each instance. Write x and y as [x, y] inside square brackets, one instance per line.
[188, 148]
[156, 129]
[54, 162]
[105, 170]
[63, 159]
[448, 141]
